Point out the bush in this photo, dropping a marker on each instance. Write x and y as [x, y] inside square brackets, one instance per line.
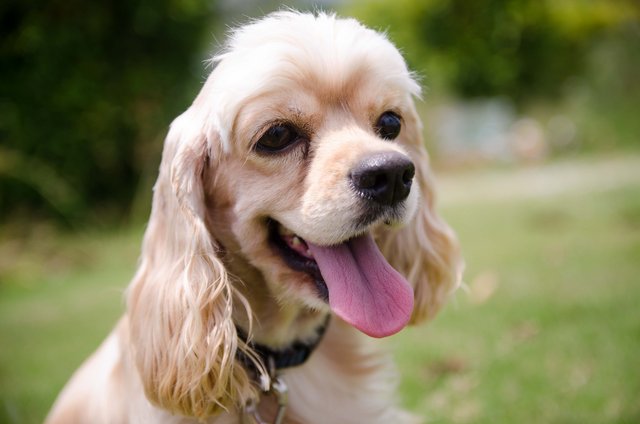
[86, 91]
[520, 49]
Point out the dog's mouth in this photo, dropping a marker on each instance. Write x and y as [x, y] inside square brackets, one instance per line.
[295, 252]
[353, 277]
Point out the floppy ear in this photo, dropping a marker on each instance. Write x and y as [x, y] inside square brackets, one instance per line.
[426, 251]
[180, 301]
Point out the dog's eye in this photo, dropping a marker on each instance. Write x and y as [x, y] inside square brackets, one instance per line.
[388, 126]
[277, 138]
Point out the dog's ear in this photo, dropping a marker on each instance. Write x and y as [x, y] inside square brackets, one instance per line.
[426, 251]
[180, 302]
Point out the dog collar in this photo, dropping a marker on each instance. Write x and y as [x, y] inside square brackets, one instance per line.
[278, 359]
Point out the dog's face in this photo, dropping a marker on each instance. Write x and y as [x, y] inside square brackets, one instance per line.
[317, 141]
[295, 184]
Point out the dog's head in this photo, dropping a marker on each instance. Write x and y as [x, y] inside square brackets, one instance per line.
[297, 170]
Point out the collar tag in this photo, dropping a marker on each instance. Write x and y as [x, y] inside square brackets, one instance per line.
[271, 382]
[278, 389]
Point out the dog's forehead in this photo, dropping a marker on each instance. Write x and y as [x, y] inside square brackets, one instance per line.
[321, 49]
[289, 51]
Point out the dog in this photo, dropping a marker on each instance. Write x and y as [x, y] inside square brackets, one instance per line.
[292, 224]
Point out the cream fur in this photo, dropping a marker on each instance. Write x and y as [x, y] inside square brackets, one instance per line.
[206, 265]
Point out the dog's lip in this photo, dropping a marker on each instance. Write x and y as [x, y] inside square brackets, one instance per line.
[294, 252]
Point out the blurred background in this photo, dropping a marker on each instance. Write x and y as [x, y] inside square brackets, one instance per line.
[532, 118]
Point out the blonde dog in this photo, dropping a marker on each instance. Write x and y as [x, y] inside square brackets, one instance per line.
[293, 217]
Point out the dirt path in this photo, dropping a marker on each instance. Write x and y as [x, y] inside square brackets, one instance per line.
[546, 180]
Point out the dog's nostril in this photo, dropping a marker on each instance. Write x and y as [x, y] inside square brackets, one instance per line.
[384, 177]
[408, 174]
[369, 180]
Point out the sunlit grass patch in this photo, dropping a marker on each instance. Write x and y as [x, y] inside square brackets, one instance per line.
[53, 316]
[548, 329]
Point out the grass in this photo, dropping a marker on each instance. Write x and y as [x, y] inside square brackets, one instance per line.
[546, 330]
[59, 300]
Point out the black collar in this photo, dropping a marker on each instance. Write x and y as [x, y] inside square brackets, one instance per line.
[274, 360]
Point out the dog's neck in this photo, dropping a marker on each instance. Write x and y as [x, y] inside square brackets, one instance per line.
[278, 327]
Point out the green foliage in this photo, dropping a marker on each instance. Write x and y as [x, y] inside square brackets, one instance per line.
[515, 48]
[86, 91]
[606, 100]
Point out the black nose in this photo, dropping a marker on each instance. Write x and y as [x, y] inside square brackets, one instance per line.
[383, 177]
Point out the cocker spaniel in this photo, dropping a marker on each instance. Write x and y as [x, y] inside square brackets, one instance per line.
[293, 212]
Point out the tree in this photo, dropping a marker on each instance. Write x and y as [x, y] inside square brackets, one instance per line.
[521, 49]
[86, 89]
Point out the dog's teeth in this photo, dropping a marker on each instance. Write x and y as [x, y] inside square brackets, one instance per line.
[295, 241]
[309, 254]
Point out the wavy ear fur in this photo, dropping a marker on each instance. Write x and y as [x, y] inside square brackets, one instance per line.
[180, 301]
[426, 251]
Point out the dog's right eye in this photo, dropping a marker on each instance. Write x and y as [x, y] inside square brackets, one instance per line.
[388, 125]
[277, 138]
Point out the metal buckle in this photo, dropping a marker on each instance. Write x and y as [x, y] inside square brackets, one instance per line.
[279, 389]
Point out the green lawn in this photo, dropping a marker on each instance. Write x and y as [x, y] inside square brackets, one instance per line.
[546, 329]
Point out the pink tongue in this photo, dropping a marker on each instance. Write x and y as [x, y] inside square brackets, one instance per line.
[364, 290]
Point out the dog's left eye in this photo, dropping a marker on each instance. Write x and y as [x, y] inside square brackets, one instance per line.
[388, 125]
[278, 138]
